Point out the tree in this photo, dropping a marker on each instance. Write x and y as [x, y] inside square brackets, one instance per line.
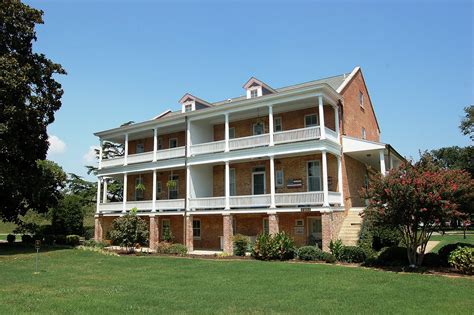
[456, 158]
[415, 198]
[467, 123]
[29, 97]
[68, 216]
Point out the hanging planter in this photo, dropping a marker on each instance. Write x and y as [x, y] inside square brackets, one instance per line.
[140, 187]
[171, 184]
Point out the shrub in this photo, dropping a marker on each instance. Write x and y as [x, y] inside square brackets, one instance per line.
[72, 240]
[432, 260]
[61, 239]
[374, 238]
[241, 243]
[178, 249]
[308, 253]
[462, 259]
[327, 257]
[27, 239]
[93, 243]
[129, 230]
[68, 216]
[269, 247]
[353, 254]
[445, 251]
[162, 247]
[11, 238]
[336, 248]
[89, 232]
[393, 256]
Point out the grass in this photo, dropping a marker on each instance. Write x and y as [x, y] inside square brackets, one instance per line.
[75, 281]
[451, 238]
[7, 227]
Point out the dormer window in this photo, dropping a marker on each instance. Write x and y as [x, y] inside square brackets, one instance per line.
[191, 103]
[256, 88]
[188, 108]
[253, 93]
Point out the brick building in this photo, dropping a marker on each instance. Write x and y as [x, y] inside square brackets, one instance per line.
[291, 159]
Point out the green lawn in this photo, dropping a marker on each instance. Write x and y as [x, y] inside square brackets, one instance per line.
[450, 238]
[75, 281]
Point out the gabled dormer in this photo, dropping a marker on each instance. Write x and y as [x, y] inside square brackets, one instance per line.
[257, 88]
[191, 103]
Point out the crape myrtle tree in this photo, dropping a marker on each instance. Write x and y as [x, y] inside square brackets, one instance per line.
[415, 198]
[29, 97]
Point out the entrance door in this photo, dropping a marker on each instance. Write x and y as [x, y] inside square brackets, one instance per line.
[258, 183]
[314, 225]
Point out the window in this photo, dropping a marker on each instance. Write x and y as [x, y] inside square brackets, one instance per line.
[158, 190]
[266, 229]
[361, 99]
[232, 181]
[299, 222]
[277, 124]
[197, 229]
[279, 178]
[173, 189]
[173, 143]
[258, 128]
[314, 176]
[160, 143]
[140, 148]
[188, 108]
[311, 120]
[232, 133]
[364, 134]
[165, 228]
[253, 93]
[139, 188]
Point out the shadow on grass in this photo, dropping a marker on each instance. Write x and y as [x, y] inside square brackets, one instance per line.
[7, 249]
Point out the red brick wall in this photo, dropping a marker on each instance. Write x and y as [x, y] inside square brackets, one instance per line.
[355, 117]
[353, 174]
[162, 177]
[211, 229]
[148, 142]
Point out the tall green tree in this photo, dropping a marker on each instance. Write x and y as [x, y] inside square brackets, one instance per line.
[29, 97]
[467, 123]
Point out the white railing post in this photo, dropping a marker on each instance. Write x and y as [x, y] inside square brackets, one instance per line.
[227, 185]
[188, 187]
[98, 195]
[104, 193]
[272, 182]
[336, 117]
[382, 161]
[124, 206]
[339, 179]
[188, 139]
[325, 180]
[321, 118]
[270, 124]
[226, 132]
[100, 153]
[155, 143]
[125, 160]
[153, 193]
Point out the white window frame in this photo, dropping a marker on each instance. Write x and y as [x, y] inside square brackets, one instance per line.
[140, 144]
[188, 108]
[252, 91]
[163, 227]
[232, 182]
[159, 189]
[264, 181]
[361, 99]
[320, 174]
[282, 183]
[169, 142]
[364, 133]
[275, 124]
[160, 143]
[308, 232]
[170, 177]
[265, 226]
[232, 133]
[199, 229]
[263, 128]
[317, 120]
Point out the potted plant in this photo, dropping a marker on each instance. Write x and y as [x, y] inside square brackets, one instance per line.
[171, 184]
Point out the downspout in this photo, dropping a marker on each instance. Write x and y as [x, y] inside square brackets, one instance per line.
[186, 176]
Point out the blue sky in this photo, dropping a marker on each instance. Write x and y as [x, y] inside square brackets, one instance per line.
[133, 60]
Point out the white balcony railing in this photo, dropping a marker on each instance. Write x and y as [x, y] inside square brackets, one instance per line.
[297, 135]
[207, 202]
[334, 197]
[111, 207]
[145, 205]
[208, 147]
[331, 135]
[169, 204]
[300, 198]
[249, 142]
[249, 201]
[117, 161]
[140, 157]
[170, 153]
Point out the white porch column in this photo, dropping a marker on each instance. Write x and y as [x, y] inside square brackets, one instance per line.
[98, 195]
[153, 193]
[336, 117]
[155, 143]
[270, 123]
[382, 161]
[124, 207]
[272, 182]
[100, 153]
[226, 132]
[227, 185]
[339, 179]
[188, 139]
[104, 193]
[322, 125]
[188, 186]
[125, 160]
[325, 180]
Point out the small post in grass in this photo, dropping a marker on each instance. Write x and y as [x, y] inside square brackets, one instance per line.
[37, 246]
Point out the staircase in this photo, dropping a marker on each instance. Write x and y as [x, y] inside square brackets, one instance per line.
[350, 229]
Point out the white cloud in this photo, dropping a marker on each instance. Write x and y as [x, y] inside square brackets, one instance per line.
[89, 156]
[56, 145]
